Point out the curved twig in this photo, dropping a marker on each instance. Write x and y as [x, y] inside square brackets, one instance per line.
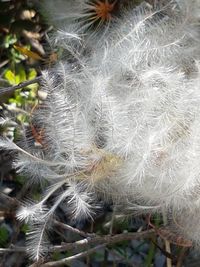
[107, 239]
[11, 89]
[74, 257]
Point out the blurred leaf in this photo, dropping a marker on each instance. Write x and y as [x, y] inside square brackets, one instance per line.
[98, 255]
[15, 78]
[20, 179]
[57, 256]
[10, 77]
[27, 52]
[22, 74]
[10, 39]
[36, 196]
[20, 100]
[32, 74]
[16, 57]
[25, 228]
[4, 235]
[22, 118]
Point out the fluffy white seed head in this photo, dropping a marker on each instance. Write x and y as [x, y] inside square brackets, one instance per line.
[121, 122]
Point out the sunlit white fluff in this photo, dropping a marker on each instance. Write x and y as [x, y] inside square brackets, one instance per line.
[37, 241]
[121, 122]
[79, 27]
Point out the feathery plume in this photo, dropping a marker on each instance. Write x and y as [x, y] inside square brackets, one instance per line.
[121, 121]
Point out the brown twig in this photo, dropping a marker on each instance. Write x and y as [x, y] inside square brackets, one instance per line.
[181, 257]
[72, 229]
[19, 86]
[167, 243]
[10, 201]
[5, 62]
[13, 249]
[81, 244]
[106, 239]
[74, 257]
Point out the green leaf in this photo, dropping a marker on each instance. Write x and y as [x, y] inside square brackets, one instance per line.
[20, 100]
[9, 40]
[15, 78]
[22, 74]
[20, 179]
[10, 77]
[25, 228]
[22, 118]
[32, 74]
[57, 256]
[4, 235]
